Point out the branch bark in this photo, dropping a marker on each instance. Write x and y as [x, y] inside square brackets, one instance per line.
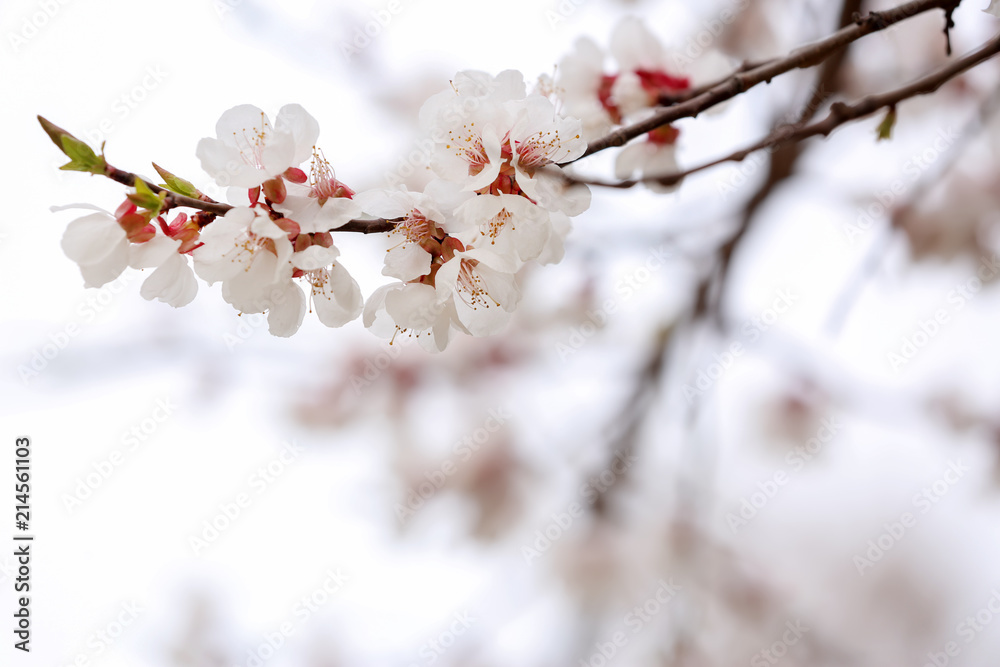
[840, 114]
[359, 225]
[801, 58]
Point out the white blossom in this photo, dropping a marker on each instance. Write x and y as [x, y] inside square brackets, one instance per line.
[334, 293]
[251, 255]
[248, 150]
[233, 242]
[492, 137]
[509, 225]
[583, 88]
[99, 245]
[324, 204]
[172, 281]
[414, 237]
[471, 293]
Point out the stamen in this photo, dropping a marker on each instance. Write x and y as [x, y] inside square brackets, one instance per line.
[323, 180]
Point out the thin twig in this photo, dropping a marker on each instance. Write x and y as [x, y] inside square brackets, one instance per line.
[840, 114]
[803, 57]
[784, 159]
[866, 268]
[362, 226]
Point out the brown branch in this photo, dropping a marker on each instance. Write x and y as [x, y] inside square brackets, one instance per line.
[801, 58]
[173, 200]
[633, 413]
[670, 99]
[783, 160]
[840, 114]
[373, 226]
[866, 268]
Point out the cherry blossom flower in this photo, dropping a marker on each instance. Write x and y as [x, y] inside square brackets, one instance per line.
[584, 90]
[468, 124]
[652, 156]
[423, 221]
[234, 243]
[630, 94]
[467, 290]
[172, 282]
[260, 263]
[644, 73]
[482, 289]
[324, 204]
[540, 137]
[509, 225]
[250, 254]
[248, 150]
[602, 99]
[334, 293]
[99, 245]
[415, 236]
[104, 245]
[494, 138]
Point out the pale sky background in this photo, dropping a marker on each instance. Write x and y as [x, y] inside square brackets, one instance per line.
[160, 75]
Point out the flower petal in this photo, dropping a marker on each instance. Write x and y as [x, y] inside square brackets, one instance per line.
[315, 257]
[338, 299]
[293, 119]
[408, 261]
[173, 282]
[285, 315]
[90, 239]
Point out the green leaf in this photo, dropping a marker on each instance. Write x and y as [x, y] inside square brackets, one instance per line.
[176, 183]
[77, 151]
[73, 165]
[81, 156]
[93, 164]
[145, 198]
[884, 130]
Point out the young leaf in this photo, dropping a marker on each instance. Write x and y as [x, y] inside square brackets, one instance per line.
[145, 198]
[81, 156]
[176, 183]
[884, 130]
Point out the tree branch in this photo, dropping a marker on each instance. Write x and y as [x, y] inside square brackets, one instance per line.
[362, 226]
[173, 199]
[840, 114]
[784, 159]
[801, 58]
[869, 264]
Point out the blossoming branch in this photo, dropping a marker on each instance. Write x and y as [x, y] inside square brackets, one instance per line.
[502, 195]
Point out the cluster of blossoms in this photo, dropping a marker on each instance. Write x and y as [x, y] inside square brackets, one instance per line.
[497, 201]
[492, 208]
[457, 245]
[640, 82]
